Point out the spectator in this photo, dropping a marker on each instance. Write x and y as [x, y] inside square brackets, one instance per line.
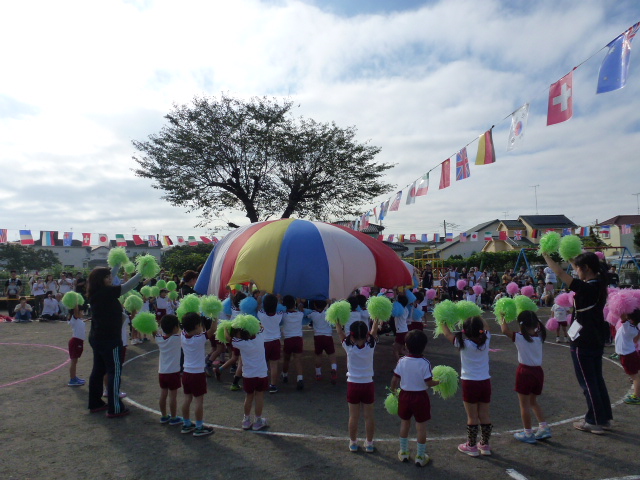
[50, 285]
[612, 277]
[12, 290]
[65, 284]
[427, 277]
[189, 279]
[507, 277]
[38, 290]
[22, 311]
[51, 308]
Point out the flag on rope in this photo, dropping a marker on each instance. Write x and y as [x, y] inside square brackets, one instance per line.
[411, 194]
[103, 240]
[462, 165]
[413, 238]
[448, 237]
[486, 152]
[166, 240]
[120, 241]
[215, 240]
[445, 175]
[401, 238]
[463, 237]
[375, 214]
[380, 237]
[605, 229]
[48, 239]
[488, 236]
[192, 241]
[518, 126]
[25, 237]
[396, 202]
[181, 241]
[517, 235]
[205, 240]
[615, 66]
[86, 239]
[384, 207]
[503, 235]
[423, 186]
[3, 235]
[534, 233]
[390, 238]
[566, 231]
[560, 100]
[624, 229]
[436, 237]
[424, 238]
[137, 240]
[67, 239]
[153, 241]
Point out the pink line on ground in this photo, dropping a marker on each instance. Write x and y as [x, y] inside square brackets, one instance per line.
[40, 374]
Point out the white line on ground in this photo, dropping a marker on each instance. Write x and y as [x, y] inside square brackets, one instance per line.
[513, 474]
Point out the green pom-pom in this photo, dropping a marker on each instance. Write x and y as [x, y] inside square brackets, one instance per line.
[155, 292]
[174, 295]
[145, 322]
[467, 309]
[133, 303]
[171, 285]
[524, 303]
[339, 312]
[505, 307]
[570, 247]
[379, 308]
[191, 303]
[129, 267]
[391, 403]
[147, 266]
[549, 243]
[248, 323]
[223, 329]
[117, 256]
[146, 291]
[446, 312]
[161, 284]
[71, 300]
[211, 306]
[448, 379]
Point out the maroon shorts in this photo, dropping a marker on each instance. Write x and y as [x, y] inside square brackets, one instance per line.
[293, 345]
[416, 326]
[563, 324]
[529, 380]
[630, 363]
[255, 384]
[272, 350]
[361, 393]
[414, 404]
[400, 337]
[323, 343]
[170, 381]
[194, 383]
[76, 347]
[476, 391]
[213, 342]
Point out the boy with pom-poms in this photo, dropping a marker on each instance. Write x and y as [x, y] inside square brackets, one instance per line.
[170, 346]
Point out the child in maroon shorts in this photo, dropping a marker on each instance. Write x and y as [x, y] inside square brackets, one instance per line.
[529, 376]
[169, 344]
[293, 344]
[626, 337]
[413, 375]
[76, 345]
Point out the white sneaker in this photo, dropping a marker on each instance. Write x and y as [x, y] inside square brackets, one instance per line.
[259, 424]
[422, 460]
[558, 340]
[246, 422]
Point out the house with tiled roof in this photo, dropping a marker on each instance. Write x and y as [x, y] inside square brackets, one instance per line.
[466, 247]
[525, 232]
[622, 229]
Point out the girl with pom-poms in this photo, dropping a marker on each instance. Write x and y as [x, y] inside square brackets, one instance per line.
[473, 344]
[588, 333]
[529, 376]
[626, 337]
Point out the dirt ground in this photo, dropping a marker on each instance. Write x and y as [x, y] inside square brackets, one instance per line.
[47, 432]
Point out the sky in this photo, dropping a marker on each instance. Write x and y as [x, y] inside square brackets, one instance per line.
[419, 79]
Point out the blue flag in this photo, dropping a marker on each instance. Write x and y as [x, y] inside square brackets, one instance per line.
[615, 66]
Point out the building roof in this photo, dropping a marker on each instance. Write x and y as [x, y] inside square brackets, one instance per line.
[478, 228]
[371, 228]
[59, 243]
[513, 224]
[547, 221]
[396, 247]
[621, 220]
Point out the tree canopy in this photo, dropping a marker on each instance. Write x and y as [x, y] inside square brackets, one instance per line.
[20, 257]
[217, 154]
[182, 258]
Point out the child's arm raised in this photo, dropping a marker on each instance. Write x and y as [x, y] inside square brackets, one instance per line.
[374, 329]
[340, 330]
[506, 330]
[448, 333]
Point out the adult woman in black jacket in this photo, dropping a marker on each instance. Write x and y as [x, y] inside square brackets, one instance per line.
[588, 334]
[105, 338]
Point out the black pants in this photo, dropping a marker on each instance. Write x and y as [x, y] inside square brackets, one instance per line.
[587, 363]
[107, 359]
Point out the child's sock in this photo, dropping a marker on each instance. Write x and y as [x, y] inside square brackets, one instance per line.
[486, 429]
[199, 423]
[186, 422]
[404, 444]
[422, 449]
[334, 366]
[236, 380]
[318, 371]
[472, 435]
[299, 378]
[528, 431]
[544, 425]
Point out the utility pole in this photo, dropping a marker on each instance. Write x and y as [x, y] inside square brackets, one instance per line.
[637, 201]
[535, 190]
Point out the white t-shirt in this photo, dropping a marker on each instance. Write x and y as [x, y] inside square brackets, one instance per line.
[401, 322]
[170, 348]
[320, 324]
[364, 316]
[413, 373]
[194, 352]
[360, 361]
[271, 325]
[549, 276]
[292, 324]
[624, 339]
[78, 328]
[354, 317]
[234, 313]
[529, 353]
[559, 313]
[52, 286]
[38, 288]
[165, 304]
[471, 297]
[65, 285]
[126, 321]
[254, 363]
[475, 362]
[50, 306]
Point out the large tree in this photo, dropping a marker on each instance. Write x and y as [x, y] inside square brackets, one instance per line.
[19, 257]
[217, 154]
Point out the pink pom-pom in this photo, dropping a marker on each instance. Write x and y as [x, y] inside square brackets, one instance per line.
[366, 291]
[513, 288]
[612, 318]
[612, 290]
[565, 300]
[461, 284]
[431, 294]
[528, 291]
[623, 301]
[600, 255]
[552, 324]
[478, 290]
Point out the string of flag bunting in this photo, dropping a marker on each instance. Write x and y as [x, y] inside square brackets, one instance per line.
[612, 76]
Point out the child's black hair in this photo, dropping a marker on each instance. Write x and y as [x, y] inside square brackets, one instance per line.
[634, 317]
[353, 301]
[319, 305]
[419, 297]
[358, 330]
[237, 298]
[289, 302]
[362, 301]
[241, 334]
[416, 342]
[402, 300]
[270, 304]
[473, 329]
[190, 321]
[528, 320]
[168, 323]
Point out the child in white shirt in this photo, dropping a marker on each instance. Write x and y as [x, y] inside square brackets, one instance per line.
[76, 345]
[170, 345]
[323, 339]
[293, 344]
[626, 338]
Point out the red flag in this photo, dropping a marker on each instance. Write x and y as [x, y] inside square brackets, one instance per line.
[86, 239]
[396, 202]
[138, 240]
[534, 233]
[486, 152]
[561, 100]
[205, 239]
[166, 240]
[445, 176]
[413, 238]
[503, 235]
[380, 237]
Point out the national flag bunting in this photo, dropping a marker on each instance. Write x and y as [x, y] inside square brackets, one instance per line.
[424, 238]
[503, 235]
[463, 237]
[423, 186]
[488, 236]
[120, 241]
[192, 241]
[605, 229]
[137, 240]
[413, 238]
[615, 66]
[436, 237]
[486, 152]
[411, 194]
[48, 239]
[25, 237]
[462, 165]
[3, 235]
[534, 233]
[396, 202]
[166, 240]
[625, 229]
[517, 235]
[448, 237]
[561, 100]
[214, 240]
[380, 237]
[585, 231]
[384, 207]
[390, 237]
[401, 238]
[181, 240]
[518, 126]
[67, 239]
[205, 240]
[103, 240]
[86, 239]
[152, 241]
[445, 175]
[566, 231]
[474, 236]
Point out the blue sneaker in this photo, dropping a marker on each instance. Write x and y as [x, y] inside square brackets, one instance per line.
[75, 382]
[523, 437]
[176, 421]
[353, 447]
[165, 419]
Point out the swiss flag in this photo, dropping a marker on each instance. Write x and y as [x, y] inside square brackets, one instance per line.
[103, 240]
[561, 100]
[503, 235]
[86, 239]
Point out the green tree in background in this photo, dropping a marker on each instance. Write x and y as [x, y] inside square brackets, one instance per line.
[21, 258]
[179, 259]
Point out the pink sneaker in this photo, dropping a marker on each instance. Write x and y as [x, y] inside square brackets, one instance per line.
[484, 449]
[471, 451]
